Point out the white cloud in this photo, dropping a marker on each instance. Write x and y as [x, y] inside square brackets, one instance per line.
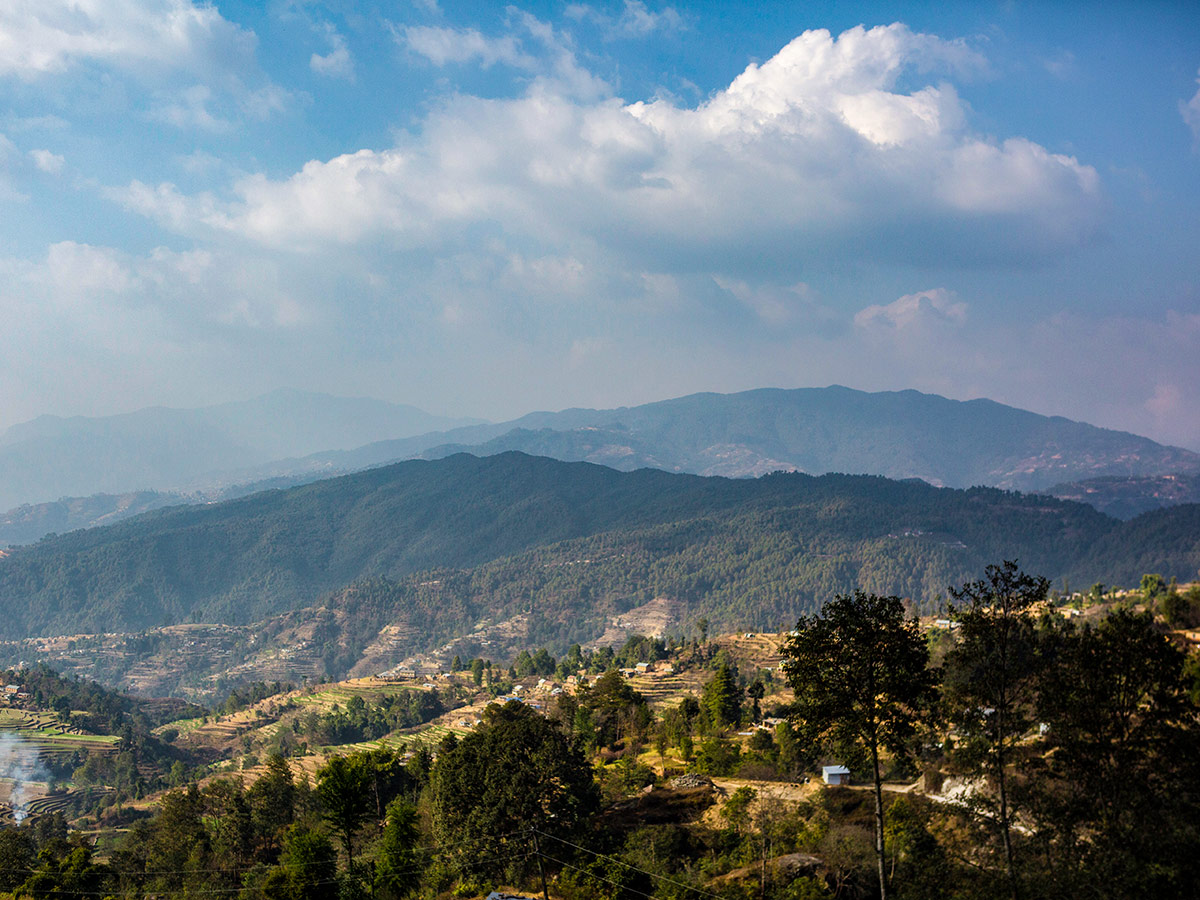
[200, 67]
[337, 63]
[638, 21]
[41, 36]
[530, 46]
[915, 310]
[1191, 112]
[108, 299]
[776, 305]
[50, 163]
[444, 46]
[635, 21]
[190, 109]
[813, 150]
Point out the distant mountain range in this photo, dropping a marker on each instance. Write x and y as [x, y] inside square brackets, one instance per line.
[549, 540]
[1129, 496]
[287, 437]
[163, 449]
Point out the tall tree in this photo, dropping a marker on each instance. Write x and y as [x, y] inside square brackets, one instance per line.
[722, 700]
[272, 801]
[515, 772]
[396, 869]
[1123, 785]
[860, 672]
[991, 680]
[344, 789]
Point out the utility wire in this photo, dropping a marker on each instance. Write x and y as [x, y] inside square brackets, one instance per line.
[622, 862]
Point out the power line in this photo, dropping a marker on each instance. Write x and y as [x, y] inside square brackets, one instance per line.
[621, 862]
[623, 887]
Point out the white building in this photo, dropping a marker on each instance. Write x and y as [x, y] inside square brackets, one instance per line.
[835, 774]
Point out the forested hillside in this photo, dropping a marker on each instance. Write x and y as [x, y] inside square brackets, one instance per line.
[1166, 541]
[753, 551]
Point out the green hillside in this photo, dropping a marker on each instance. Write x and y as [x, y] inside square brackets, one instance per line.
[753, 551]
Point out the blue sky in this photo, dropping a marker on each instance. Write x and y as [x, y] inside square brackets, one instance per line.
[484, 210]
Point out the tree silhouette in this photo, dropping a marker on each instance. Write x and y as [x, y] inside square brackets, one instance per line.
[991, 680]
[860, 672]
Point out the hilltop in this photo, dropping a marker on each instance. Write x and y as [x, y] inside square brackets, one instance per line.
[510, 548]
[897, 434]
[199, 456]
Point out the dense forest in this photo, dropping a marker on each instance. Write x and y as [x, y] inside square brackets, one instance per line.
[1015, 753]
[757, 551]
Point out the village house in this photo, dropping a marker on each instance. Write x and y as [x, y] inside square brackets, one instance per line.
[835, 774]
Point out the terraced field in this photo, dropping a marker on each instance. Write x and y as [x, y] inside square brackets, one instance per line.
[47, 734]
[65, 802]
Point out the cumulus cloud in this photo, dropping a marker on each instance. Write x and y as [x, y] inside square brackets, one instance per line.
[1191, 112]
[915, 310]
[192, 57]
[41, 36]
[813, 151]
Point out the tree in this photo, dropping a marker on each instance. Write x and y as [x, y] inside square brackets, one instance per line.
[307, 868]
[516, 771]
[1122, 775]
[396, 868]
[756, 692]
[272, 801]
[343, 787]
[611, 705]
[722, 700]
[991, 679]
[16, 856]
[1152, 586]
[860, 673]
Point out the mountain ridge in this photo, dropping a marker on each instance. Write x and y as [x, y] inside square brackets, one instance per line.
[793, 539]
[897, 434]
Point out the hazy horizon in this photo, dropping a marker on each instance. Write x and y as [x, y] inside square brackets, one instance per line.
[483, 211]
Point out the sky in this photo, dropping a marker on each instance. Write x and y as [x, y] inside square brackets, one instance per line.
[484, 210]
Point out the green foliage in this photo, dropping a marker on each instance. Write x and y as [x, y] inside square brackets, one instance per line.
[1122, 780]
[990, 683]
[509, 528]
[343, 787]
[307, 868]
[1152, 586]
[516, 771]
[736, 811]
[609, 711]
[396, 869]
[359, 722]
[860, 673]
[1181, 609]
[722, 699]
[717, 756]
